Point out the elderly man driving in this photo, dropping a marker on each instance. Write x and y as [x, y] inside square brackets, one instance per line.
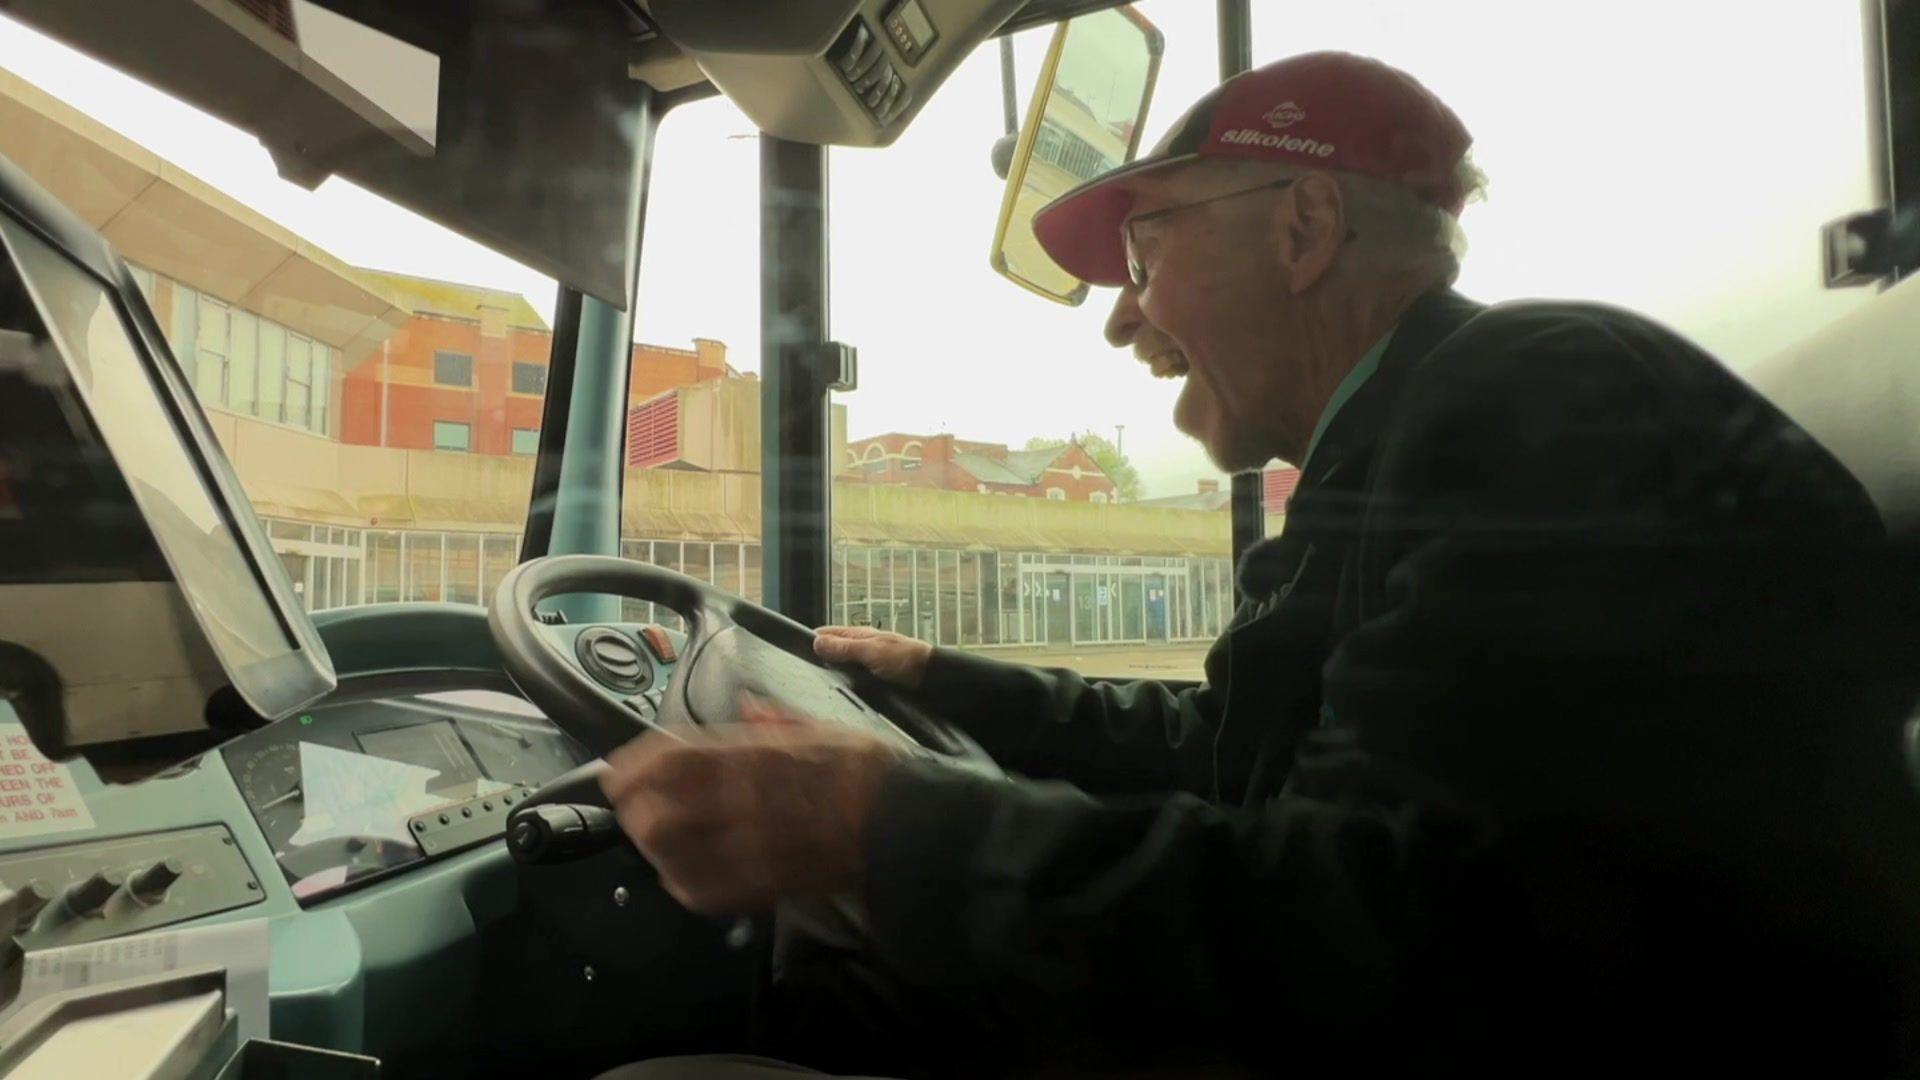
[1551, 736]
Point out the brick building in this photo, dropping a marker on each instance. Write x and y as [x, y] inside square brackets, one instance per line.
[946, 463]
[467, 371]
[1276, 487]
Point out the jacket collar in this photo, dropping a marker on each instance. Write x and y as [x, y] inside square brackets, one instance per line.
[1321, 507]
[1352, 433]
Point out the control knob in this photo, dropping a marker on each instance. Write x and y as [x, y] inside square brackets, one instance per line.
[87, 898]
[28, 900]
[150, 886]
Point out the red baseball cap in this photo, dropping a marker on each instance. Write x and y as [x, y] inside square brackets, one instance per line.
[1324, 110]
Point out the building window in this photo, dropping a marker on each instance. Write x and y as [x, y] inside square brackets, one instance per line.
[526, 441]
[243, 361]
[452, 369]
[297, 409]
[323, 387]
[450, 436]
[1056, 495]
[529, 378]
[210, 353]
[1098, 497]
[183, 331]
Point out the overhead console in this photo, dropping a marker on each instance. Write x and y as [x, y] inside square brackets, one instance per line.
[839, 72]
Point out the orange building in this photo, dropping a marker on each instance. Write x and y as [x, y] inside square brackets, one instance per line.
[941, 461]
[468, 372]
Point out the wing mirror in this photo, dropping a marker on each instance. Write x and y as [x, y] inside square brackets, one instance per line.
[1085, 119]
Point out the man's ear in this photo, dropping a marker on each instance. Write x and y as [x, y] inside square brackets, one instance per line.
[1312, 222]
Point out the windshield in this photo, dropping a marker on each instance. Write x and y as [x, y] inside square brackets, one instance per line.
[1693, 192]
[1003, 480]
[691, 492]
[1050, 544]
[376, 380]
[1010, 483]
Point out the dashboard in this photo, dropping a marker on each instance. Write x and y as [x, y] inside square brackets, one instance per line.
[355, 791]
[347, 794]
[366, 833]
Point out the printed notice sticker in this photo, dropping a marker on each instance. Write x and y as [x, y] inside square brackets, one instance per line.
[36, 795]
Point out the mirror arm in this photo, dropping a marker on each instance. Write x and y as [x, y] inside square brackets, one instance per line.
[1009, 101]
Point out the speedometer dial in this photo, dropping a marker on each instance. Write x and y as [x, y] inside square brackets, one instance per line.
[270, 780]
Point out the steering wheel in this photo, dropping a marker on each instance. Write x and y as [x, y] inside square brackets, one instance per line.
[732, 647]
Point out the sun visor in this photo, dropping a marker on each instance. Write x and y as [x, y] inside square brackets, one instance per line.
[513, 122]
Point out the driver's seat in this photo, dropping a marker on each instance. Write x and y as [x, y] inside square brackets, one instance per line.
[1854, 386]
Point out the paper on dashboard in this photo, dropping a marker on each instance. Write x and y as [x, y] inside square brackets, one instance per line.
[347, 794]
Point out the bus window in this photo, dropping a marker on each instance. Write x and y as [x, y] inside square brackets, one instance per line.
[1010, 483]
[691, 497]
[372, 376]
[1692, 191]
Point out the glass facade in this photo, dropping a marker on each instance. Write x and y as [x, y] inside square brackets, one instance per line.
[242, 363]
[944, 596]
[338, 566]
[975, 598]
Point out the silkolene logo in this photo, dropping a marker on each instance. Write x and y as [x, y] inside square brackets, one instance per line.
[1250, 137]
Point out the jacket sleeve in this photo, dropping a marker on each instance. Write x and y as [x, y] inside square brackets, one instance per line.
[1574, 570]
[1104, 737]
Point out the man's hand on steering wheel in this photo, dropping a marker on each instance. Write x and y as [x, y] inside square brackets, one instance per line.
[739, 817]
[894, 658]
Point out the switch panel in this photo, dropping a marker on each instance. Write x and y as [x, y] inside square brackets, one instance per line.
[106, 888]
[481, 818]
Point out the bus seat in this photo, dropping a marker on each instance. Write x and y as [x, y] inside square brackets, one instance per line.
[1855, 385]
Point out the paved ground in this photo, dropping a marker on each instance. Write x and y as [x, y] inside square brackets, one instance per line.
[1140, 661]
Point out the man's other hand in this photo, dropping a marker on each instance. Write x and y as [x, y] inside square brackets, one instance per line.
[896, 658]
[738, 818]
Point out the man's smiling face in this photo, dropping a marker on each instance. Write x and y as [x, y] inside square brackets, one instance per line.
[1207, 314]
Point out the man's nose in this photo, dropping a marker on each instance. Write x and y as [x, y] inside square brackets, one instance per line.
[1123, 322]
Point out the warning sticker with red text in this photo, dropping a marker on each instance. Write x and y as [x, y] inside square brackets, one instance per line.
[36, 795]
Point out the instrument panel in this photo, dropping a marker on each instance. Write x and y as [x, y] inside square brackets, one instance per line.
[335, 789]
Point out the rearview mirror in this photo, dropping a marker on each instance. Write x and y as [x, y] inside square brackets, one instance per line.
[1085, 119]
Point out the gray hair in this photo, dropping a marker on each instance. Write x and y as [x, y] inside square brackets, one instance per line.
[1395, 231]
[1399, 232]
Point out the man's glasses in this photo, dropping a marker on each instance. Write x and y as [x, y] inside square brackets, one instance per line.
[1136, 266]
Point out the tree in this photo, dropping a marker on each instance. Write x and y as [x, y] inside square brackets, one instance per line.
[1126, 478]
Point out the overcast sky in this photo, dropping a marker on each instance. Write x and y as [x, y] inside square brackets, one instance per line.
[1675, 156]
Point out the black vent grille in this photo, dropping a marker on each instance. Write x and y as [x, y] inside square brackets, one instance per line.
[277, 14]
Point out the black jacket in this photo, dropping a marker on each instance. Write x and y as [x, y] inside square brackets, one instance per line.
[1556, 729]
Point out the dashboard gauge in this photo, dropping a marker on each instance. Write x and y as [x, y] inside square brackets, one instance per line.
[516, 754]
[270, 781]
